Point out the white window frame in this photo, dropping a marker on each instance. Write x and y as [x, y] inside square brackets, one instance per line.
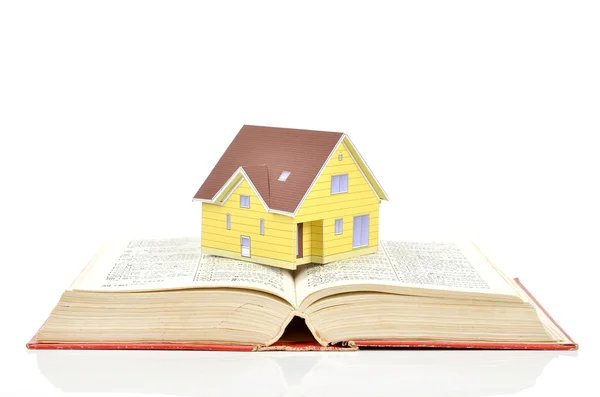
[242, 197]
[339, 176]
[284, 176]
[249, 246]
[228, 221]
[262, 227]
[335, 226]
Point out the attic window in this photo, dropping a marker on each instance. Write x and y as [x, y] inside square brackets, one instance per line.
[244, 201]
[339, 184]
[284, 176]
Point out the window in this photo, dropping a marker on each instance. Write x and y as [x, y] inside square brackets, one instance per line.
[244, 201]
[339, 183]
[245, 242]
[360, 235]
[284, 176]
[262, 227]
[228, 221]
[338, 226]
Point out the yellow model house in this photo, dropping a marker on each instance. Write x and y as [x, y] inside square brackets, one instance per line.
[286, 197]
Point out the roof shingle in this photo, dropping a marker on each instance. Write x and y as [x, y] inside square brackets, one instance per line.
[264, 153]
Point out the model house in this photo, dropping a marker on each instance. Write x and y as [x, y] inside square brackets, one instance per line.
[286, 197]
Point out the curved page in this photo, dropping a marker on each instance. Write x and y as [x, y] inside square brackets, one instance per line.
[446, 266]
[176, 263]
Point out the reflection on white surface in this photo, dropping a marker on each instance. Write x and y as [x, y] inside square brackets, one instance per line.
[401, 372]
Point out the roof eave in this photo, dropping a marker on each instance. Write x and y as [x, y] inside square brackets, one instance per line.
[231, 180]
[383, 195]
[201, 200]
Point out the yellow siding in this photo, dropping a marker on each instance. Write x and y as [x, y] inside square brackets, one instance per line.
[320, 204]
[317, 238]
[278, 242]
[306, 239]
[338, 243]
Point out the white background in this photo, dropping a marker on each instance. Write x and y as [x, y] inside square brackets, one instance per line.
[480, 119]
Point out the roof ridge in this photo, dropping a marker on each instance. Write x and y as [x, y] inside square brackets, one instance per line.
[292, 129]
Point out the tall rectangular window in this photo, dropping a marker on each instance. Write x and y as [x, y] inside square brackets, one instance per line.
[360, 233]
[244, 201]
[339, 183]
[228, 221]
[262, 227]
[338, 226]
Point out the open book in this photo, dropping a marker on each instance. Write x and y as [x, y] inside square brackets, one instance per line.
[408, 294]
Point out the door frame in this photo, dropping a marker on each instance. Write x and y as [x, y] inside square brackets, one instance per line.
[299, 240]
[368, 216]
[242, 246]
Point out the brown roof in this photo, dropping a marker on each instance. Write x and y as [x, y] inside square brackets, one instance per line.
[264, 153]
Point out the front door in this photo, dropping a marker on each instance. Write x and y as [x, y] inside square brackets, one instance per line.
[299, 245]
[246, 246]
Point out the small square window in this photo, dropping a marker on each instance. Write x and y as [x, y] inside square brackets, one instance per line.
[244, 201]
[339, 183]
[262, 227]
[228, 221]
[339, 226]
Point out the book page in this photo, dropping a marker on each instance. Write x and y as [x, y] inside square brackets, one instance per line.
[433, 265]
[176, 263]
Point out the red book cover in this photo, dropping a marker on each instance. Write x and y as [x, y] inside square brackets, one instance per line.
[299, 340]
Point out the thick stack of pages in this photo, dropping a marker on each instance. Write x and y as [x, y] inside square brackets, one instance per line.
[167, 292]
